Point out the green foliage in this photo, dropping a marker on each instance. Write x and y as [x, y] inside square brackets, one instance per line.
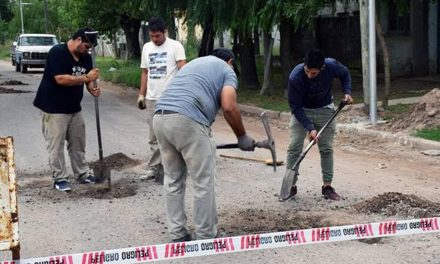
[118, 71]
[395, 110]
[431, 134]
[4, 51]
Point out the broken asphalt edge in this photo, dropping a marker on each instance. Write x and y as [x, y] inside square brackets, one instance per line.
[354, 129]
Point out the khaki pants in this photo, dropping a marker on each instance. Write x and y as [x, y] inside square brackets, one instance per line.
[187, 147]
[319, 117]
[58, 128]
[155, 158]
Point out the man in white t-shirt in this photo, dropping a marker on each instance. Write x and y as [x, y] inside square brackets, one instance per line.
[161, 58]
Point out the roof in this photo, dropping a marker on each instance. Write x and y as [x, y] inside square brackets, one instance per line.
[36, 35]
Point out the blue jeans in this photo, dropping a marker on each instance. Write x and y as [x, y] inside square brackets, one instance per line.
[319, 117]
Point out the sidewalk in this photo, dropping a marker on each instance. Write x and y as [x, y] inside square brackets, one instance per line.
[361, 128]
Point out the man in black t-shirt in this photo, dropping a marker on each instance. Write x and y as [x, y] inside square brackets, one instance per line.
[68, 68]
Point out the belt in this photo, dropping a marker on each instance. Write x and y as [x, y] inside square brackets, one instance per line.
[164, 112]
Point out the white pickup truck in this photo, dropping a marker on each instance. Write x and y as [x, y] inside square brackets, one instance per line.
[31, 50]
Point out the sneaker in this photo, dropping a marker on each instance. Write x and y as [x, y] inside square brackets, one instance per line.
[62, 185]
[292, 193]
[329, 193]
[86, 180]
[150, 174]
[182, 239]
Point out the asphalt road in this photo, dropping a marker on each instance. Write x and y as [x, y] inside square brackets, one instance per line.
[53, 223]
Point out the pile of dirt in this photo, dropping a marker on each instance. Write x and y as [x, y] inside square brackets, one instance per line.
[252, 221]
[425, 114]
[13, 82]
[117, 161]
[4, 90]
[394, 203]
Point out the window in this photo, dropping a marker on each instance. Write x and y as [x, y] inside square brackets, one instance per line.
[398, 23]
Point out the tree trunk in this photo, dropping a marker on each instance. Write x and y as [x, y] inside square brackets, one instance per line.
[257, 41]
[207, 44]
[386, 64]
[291, 51]
[267, 87]
[171, 28]
[247, 61]
[131, 27]
[221, 40]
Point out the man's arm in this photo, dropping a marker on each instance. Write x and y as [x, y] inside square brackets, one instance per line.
[143, 89]
[70, 80]
[180, 64]
[232, 115]
[231, 111]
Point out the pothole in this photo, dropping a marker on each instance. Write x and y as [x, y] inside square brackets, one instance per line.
[4, 90]
[13, 82]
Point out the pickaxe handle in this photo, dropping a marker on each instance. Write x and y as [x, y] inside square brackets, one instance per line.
[259, 144]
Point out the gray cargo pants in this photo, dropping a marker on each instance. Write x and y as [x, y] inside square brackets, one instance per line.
[319, 117]
[58, 128]
[187, 146]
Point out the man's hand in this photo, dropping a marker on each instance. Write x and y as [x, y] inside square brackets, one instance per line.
[246, 143]
[348, 99]
[96, 92]
[141, 102]
[92, 75]
[313, 135]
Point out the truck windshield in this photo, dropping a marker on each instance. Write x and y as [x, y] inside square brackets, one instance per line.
[38, 41]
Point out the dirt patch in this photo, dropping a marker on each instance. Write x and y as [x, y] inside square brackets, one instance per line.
[394, 203]
[4, 90]
[13, 82]
[117, 161]
[425, 114]
[251, 221]
[43, 189]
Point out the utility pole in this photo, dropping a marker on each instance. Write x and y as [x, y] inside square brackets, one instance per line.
[372, 61]
[45, 16]
[21, 17]
[368, 43]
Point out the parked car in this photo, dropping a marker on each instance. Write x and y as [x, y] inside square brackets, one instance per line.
[30, 50]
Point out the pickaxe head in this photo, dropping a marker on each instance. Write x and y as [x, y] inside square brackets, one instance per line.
[269, 143]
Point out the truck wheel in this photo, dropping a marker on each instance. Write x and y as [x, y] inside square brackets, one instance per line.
[23, 68]
[13, 62]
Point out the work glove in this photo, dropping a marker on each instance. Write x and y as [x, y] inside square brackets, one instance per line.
[246, 143]
[141, 102]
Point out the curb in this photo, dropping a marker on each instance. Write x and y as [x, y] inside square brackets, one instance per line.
[358, 128]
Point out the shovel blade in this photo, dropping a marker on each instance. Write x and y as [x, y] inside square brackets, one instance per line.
[102, 173]
[287, 184]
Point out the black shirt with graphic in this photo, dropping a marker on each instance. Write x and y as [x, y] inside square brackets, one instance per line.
[57, 99]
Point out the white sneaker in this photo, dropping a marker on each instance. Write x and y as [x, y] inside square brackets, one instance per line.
[149, 175]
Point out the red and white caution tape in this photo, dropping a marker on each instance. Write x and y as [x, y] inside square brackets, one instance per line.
[243, 243]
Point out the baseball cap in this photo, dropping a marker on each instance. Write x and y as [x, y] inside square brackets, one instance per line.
[87, 34]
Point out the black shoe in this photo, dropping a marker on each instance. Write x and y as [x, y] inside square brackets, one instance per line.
[292, 193]
[182, 239]
[330, 193]
[87, 178]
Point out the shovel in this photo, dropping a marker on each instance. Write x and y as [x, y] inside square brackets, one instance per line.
[290, 173]
[101, 170]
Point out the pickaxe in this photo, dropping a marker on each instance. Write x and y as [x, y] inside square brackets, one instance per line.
[269, 143]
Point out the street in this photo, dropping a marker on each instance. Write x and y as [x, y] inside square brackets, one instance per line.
[133, 213]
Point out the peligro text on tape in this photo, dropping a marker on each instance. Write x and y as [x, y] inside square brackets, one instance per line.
[150, 253]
